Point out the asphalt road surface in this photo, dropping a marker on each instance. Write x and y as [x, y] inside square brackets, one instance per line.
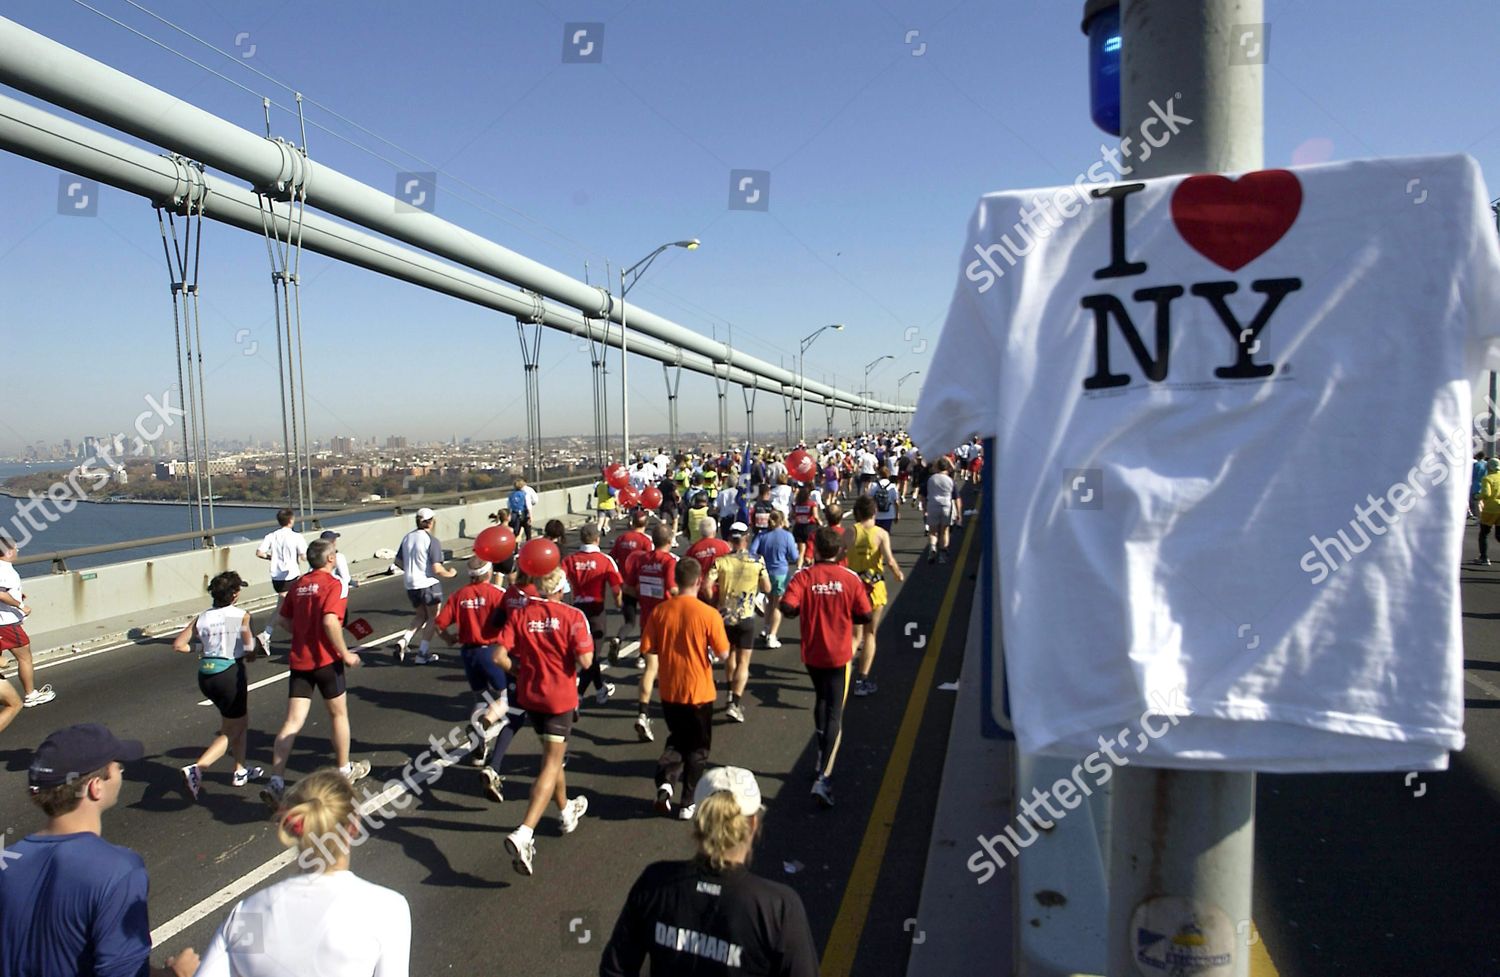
[471, 913]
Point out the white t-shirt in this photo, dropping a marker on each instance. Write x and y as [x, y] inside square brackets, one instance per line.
[781, 499]
[341, 574]
[10, 582]
[318, 923]
[1177, 527]
[219, 629]
[867, 463]
[418, 552]
[286, 547]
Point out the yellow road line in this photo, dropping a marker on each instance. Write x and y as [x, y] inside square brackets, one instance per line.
[1260, 957]
[843, 942]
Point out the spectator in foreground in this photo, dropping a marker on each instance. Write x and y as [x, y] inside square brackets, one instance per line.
[70, 902]
[326, 920]
[710, 914]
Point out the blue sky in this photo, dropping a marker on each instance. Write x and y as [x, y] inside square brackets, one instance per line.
[876, 153]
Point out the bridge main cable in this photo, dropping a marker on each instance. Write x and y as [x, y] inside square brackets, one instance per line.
[53, 72]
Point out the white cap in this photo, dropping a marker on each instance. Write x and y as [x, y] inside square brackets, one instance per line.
[479, 567]
[424, 514]
[737, 780]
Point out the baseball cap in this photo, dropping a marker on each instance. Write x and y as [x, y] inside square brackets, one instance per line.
[328, 534]
[70, 753]
[737, 780]
[479, 566]
[424, 514]
[737, 530]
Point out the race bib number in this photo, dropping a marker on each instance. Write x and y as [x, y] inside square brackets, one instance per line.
[652, 588]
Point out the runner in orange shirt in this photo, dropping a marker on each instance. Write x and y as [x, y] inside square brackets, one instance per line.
[685, 638]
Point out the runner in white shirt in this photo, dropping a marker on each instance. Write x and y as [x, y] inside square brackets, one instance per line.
[420, 557]
[326, 920]
[13, 637]
[781, 495]
[340, 565]
[285, 549]
[223, 633]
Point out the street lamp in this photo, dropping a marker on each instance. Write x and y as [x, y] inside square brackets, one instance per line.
[802, 379]
[903, 380]
[635, 272]
[866, 391]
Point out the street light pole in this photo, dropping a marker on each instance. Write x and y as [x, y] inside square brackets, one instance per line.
[866, 392]
[635, 272]
[802, 379]
[903, 380]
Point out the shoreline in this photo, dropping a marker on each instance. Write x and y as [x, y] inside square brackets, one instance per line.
[11, 493]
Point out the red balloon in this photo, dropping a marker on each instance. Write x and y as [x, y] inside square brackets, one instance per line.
[617, 476]
[651, 498]
[628, 498]
[495, 544]
[801, 466]
[539, 558]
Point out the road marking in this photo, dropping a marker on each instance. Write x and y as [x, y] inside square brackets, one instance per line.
[277, 678]
[1260, 957]
[854, 909]
[1483, 684]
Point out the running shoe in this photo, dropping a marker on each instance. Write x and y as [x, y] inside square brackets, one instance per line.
[400, 650]
[931, 554]
[943, 557]
[358, 770]
[38, 696]
[522, 853]
[614, 652]
[478, 752]
[643, 729]
[602, 696]
[264, 641]
[864, 686]
[573, 813]
[773, 642]
[194, 779]
[640, 660]
[244, 775]
[663, 803]
[271, 794]
[494, 785]
[686, 813]
[425, 657]
[735, 713]
[823, 791]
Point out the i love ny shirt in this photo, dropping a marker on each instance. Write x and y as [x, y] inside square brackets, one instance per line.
[1233, 426]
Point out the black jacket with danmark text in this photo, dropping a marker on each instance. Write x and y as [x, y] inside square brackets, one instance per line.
[695, 922]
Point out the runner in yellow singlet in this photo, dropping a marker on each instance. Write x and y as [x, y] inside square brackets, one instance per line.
[869, 553]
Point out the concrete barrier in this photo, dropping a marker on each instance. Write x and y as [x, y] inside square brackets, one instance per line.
[66, 602]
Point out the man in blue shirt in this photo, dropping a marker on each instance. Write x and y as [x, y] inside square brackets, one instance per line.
[778, 547]
[72, 904]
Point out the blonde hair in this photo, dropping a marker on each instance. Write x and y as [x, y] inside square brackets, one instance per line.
[719, 828]
[777, 519]
[549, 584]
[315, 818]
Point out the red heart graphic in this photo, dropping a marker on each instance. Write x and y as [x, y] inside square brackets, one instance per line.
[1233, 222]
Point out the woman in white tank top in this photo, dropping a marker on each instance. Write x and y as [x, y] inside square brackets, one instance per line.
[223, 633]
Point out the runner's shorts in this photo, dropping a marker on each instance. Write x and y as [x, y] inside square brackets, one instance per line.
[741, 635]
[553, 727]
[778, 584]
[480, 669]
[426, 596]
[328, 680]
[227, 691]
[594, 613]
[13, 636]
[282, 586]
[629, 606]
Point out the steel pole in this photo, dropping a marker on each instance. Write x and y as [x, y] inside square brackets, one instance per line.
[1182, 842]
[624, 380]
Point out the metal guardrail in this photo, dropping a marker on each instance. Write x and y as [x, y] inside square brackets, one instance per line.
[395, 507]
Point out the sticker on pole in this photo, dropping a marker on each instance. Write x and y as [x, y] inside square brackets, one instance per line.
[1177, 937]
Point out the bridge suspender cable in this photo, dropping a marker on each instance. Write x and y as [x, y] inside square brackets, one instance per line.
[286, 301]
[183, 261]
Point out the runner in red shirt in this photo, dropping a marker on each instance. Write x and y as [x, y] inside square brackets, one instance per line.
[313, 610]
[632, 541]
[652, 578]
[829, 600]
[705, 552]
[476, 610]
[590, 573]
[543, 644]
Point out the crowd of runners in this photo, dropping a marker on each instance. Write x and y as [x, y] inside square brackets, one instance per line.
[765, 537]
